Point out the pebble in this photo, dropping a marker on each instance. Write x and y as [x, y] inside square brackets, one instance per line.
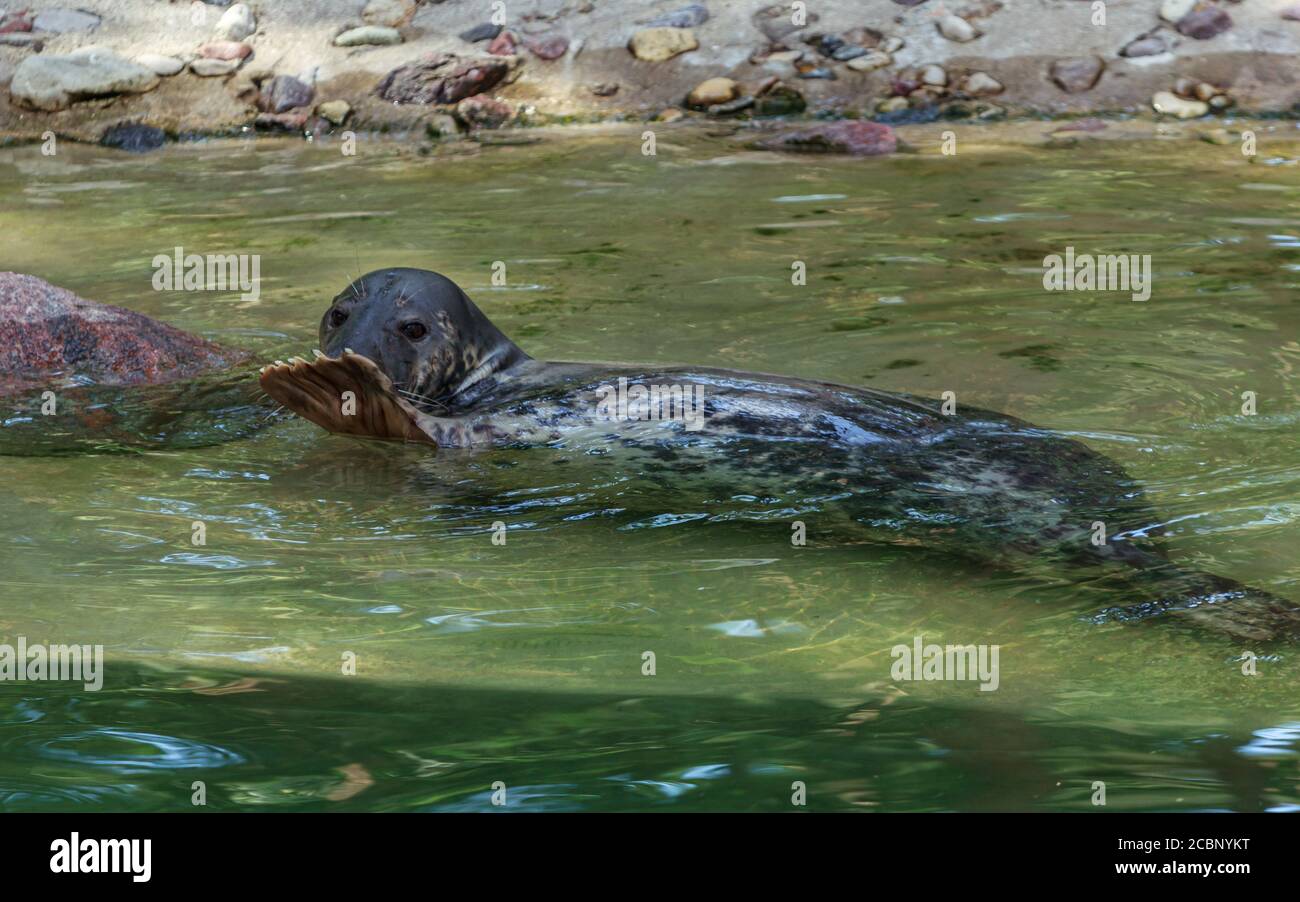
[776, 22]
[480, 111]
[284, 93]
[980, 83]
[503, 44]
[934, 75]
[14, 23]
[20, 39]
[61, 19]
[892, 45]
[1206, 91]
[819, 72]
[484, 32]
[875, 59]
[658, 44]
[847, 136]
[289, 122]
[1146, 45]
[548, 48]
[53, 82]
[672, 114]
[1172, 105]
[334, 111]
[955, 28]
[236, 23]
[1219, 136]
[605, 88]
[159, 64]
[891, 105]
[206, 67]
[686, 17]
[441, 125]
[1073, 75]
[1204, 22]
[712, 91]
[368, 35]
[1173, 10]
[1220, 102]
[388, 13]
[225, 50]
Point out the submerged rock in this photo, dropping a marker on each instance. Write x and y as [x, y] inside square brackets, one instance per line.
[441, 78]
[134, 137]
[780, 100]
[853, 137]
[658, 44]
[47, 331]
[50, 82]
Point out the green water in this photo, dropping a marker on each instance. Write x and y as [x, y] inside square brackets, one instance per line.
[522, 663]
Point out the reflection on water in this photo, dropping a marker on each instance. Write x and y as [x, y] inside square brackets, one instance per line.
[525, 662]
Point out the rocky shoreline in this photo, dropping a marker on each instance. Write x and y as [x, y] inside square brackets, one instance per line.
[136, 73]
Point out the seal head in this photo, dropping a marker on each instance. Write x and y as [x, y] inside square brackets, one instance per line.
[421, 329]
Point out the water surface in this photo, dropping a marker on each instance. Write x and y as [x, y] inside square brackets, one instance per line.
[522, 663]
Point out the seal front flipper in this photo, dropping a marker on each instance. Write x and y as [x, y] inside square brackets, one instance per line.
[347, 395]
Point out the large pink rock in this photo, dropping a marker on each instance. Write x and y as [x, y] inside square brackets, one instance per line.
[850, 136]
[441, 78]
[48, 332]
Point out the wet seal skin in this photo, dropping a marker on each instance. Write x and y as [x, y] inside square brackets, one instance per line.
[424, 364]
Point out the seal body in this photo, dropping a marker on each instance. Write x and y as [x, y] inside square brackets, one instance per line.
[419, 361]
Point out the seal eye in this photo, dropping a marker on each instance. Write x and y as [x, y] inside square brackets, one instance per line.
[413, 330]
[338, 317]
